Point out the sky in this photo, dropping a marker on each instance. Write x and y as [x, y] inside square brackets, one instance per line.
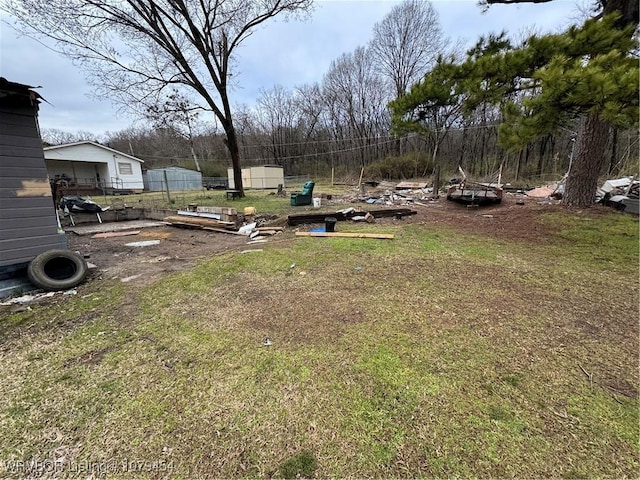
[287, 53]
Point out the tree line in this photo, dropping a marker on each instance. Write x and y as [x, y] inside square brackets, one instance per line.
[448, 108]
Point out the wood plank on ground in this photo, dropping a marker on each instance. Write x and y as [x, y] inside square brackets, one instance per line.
[198, 222]
[123, 233]
[382, 236]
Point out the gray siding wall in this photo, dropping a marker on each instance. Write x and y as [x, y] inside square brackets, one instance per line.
[28, 224]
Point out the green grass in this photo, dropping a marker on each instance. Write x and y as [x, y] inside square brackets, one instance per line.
[264, 201]
[432, 355]
[606, 241]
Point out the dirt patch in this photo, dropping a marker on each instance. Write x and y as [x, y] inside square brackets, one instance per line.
[177, 250]
[93, 357]
[508, 220]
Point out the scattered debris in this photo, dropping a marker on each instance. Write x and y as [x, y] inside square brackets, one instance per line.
[384, 236]
[410, 185]
[29, 298]
[78, 204]
[267, 342]
[144, 243]
[269, 231]
[227, 214]
[197, 222]
[254, 250]
[128, 279]
[541, 192]
[213, 216]
[124, 233]
[347, 214]
[621, 194]
[247, 229]
[221, 230]
[347, 211]
[158, 259]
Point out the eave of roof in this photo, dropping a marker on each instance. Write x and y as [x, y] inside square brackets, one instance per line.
[87, 142]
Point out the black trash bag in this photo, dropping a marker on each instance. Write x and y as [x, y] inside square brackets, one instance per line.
[77, 204]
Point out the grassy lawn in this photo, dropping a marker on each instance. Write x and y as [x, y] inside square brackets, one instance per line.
[264, 201]
[431, 355]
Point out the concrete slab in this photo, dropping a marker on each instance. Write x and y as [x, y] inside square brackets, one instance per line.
[113, 227]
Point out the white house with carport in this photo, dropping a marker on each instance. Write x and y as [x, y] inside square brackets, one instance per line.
[89, 164]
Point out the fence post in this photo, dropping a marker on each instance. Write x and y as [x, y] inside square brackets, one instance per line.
[166, 183]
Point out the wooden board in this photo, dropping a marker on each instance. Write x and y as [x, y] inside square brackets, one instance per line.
[198, 222]
[116, 234]
[411, 185]
[382, 236]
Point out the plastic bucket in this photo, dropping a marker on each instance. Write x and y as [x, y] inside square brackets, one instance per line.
[316, 202]
[330, 224]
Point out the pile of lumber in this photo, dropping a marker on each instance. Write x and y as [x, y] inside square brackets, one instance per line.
[216, 219]
[201, 223]
[191, 220]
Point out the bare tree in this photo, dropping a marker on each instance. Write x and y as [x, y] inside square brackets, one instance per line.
[356, 102]
[178, 114]
[54, 136]
[134, 49]
[278, 116]
[308, 99]
[406, 42]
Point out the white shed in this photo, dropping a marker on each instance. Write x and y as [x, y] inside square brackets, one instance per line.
[93, 165]
[262, 177]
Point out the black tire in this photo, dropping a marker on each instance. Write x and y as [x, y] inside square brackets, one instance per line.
[57, 270]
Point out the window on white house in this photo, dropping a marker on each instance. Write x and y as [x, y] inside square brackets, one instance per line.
[125, 168]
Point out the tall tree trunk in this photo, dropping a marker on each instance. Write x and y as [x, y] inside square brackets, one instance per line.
[629, 11]
[582, 180]
[231, 141]
[234, 151]
[436, 182]
[461, 161]
[519, 165]
[583, 177]
[541, 152]
[614, 150]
